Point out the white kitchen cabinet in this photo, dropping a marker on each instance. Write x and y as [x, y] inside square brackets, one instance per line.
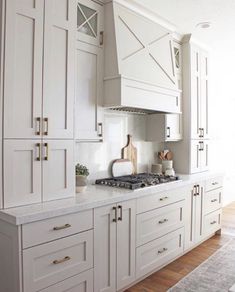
[36, 171]
[39, 69]
[59, 68]
[89, 93]
[199, 156]
[90, 22]
[114, 242]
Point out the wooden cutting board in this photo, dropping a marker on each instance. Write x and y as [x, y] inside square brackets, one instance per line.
[130, 152]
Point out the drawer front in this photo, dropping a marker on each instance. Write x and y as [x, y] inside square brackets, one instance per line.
[212, 222]
[214, 183]
[156, 223]
[47, 230]
[79, 283]
[161, 199]
[49, 263]
[212, 201]
[156, 253]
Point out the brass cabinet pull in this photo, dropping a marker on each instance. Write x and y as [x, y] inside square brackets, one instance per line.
[213, 222]
[38, 126]
[46, 157]
[214, 200]
[215, 183]
[163, 198]
[38, 155]
[168, 132]
[198, 190]
[46, 124]
[101, 38]
[62, 227]
[120, 217]
[202, 132]
[65, 259]
[201, 146]
[100, 130]
[162, 250]
[115, 212]
[163, 221]
[195, 190]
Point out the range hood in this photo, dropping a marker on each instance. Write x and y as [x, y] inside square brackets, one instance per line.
[139, 61]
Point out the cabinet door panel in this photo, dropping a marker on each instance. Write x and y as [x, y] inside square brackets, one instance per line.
[126, 244]
[105, 249]
[195, 93]
[198, 216]
[204, 95]
[58, 169]
[90, 22]
[195, 156]
[89, 92]
[23, 68]
[59, 67]
[173, 127]
[22, 173]
[204, 156]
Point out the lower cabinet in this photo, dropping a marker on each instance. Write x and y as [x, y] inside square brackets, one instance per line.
[114, 249]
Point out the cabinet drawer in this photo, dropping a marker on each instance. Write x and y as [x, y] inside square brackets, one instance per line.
[158, 252]
[49, 263]
[47, 230]
[79, 283]
[156, 223]
[214, 183]
[212, 201]
[212, 222]
[161, 199]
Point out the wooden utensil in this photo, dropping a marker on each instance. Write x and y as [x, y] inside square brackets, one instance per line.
[169, 155]
[130, 152]
[122, 167]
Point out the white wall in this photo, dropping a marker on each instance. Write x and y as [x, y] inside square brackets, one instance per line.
[98, 157]
[222, 115]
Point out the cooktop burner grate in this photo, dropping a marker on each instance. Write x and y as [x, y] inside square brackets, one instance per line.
[137, 181]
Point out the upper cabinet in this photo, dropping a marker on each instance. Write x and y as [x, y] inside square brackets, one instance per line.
[197, 88]
[90, 22]
[39, 69]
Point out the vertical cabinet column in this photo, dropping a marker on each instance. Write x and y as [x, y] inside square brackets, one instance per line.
[114, 241]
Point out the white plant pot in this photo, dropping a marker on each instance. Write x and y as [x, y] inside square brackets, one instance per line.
[81, 183]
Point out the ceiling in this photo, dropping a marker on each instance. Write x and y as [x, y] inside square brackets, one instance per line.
[185, 14]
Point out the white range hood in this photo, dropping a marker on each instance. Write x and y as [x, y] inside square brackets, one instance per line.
[139, 62]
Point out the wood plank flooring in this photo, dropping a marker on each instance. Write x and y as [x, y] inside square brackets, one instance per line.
[167, 277]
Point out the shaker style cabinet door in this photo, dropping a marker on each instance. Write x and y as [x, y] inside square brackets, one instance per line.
[22, 172]
[173, 127]
[89, 91]
[58, 169]
[59, 68]
[90, 22]
[23, 68]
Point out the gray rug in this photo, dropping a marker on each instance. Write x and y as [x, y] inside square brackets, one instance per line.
[217, 274]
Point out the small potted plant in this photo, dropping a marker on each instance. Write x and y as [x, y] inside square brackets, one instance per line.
[82, 173]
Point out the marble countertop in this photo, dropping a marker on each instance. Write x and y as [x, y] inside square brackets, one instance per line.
[95, 196]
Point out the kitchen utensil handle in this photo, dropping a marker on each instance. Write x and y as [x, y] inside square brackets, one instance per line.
[38, 151]
[38, 126]
[115, 214]
[120, 210]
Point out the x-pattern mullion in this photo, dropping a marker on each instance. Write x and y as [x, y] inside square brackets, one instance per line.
[87, 20]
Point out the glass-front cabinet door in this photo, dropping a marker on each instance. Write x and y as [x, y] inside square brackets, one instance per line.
[90, 22]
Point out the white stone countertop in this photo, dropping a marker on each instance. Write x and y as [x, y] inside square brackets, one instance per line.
[94, 196]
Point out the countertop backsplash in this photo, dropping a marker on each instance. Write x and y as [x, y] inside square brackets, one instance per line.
[98, 157]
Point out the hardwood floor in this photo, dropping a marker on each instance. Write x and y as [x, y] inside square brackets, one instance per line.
[167, 277]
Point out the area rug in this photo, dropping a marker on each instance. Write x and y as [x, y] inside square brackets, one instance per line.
[217, 274]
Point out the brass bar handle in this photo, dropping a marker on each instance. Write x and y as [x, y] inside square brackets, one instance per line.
[163, 221]
[163, 198]
[38, 155]
[162, 250]
[120, 216]
[56, 228]
[101, 38]
[65, 259]
[198, 190]
[46, 157]
[202, 143]
[100, 130]
[169, 132]
[38, 126]
[46, 125]
[115, 212]
[213, 222]
[214, 200]
[215, 183]
[195, 190]
[203, 132]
